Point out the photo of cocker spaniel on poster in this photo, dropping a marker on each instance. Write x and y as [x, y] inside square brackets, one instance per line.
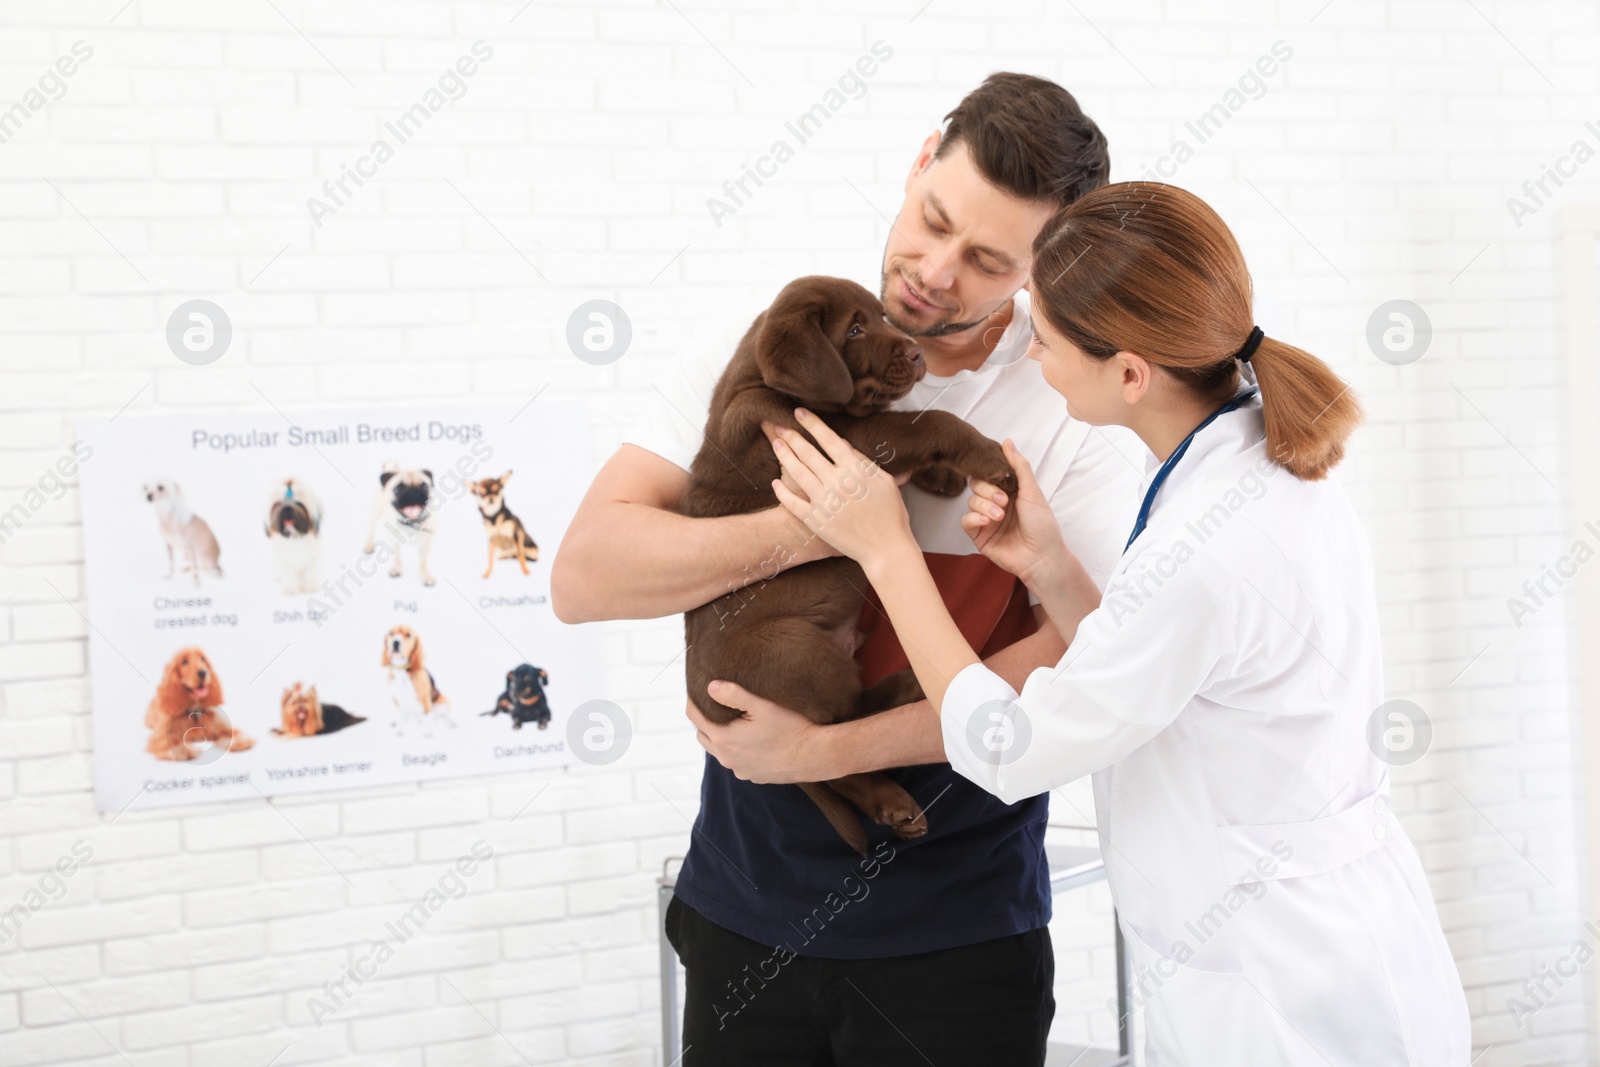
[306, 716]
[416, 698]
[186, 711]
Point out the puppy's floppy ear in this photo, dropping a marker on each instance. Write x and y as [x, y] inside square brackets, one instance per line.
[427, 473]
[794, 355]
[383, 479]
[386, 649]
[415, 663]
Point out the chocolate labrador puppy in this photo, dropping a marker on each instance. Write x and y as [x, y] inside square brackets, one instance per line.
[792, 637]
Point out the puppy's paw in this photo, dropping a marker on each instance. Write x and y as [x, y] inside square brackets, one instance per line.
[941, 481]
[988, 463]
[904, 817]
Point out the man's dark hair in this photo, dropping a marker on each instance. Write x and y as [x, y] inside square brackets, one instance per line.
[1029, 137]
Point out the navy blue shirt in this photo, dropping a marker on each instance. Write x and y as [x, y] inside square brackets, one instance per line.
[764, 862]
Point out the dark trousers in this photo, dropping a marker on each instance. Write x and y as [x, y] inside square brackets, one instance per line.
[747, 1005]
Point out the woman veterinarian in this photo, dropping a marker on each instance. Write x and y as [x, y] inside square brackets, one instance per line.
[1218, 691]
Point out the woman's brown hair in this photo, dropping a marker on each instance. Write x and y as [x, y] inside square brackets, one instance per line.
[1149, 268]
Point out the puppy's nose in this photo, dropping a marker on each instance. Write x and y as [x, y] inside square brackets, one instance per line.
[916, 357]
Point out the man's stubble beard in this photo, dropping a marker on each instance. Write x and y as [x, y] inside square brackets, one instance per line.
[938, 329]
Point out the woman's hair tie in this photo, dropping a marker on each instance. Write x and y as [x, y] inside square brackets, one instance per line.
[1250, 345]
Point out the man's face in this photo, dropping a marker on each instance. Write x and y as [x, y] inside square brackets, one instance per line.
[959, 248]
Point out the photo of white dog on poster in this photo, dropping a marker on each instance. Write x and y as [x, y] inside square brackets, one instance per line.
[293, 523]
[189, 539]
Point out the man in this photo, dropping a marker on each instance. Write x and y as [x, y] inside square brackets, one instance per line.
[796, 951]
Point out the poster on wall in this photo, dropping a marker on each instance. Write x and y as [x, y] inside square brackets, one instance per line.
[287, 602]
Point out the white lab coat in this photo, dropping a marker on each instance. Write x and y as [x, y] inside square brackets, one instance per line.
[1274, 911]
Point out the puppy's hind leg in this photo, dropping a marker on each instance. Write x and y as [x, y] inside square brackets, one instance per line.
[885, 801]
[840, 813]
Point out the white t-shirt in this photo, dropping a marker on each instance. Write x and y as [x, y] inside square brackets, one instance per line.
[1091, 474]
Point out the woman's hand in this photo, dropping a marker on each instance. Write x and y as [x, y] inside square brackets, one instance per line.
[1030, 542]
[849, 501]
[771, 743]
[811, 547]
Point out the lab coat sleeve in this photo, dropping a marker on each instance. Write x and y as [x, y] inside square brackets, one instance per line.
[1135, 663]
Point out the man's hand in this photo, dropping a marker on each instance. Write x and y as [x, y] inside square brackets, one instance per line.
[771, 743]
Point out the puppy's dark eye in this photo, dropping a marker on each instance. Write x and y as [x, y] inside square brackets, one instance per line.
[855, 331]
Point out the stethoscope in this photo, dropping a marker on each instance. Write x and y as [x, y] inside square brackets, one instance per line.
[1172, 461]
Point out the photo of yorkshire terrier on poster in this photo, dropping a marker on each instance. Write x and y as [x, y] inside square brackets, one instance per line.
[285, 602]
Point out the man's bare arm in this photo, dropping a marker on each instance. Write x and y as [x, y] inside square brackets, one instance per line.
[628, 554]
[910, 734]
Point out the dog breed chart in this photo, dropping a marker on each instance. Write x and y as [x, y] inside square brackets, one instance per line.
[285, 602]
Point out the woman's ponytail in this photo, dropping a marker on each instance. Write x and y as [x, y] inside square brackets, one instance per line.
[1309, 411]
[1149, 268]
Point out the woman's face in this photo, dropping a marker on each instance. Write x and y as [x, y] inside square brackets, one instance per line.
[1092, 387]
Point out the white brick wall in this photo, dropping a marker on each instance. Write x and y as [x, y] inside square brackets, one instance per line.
[177, 164]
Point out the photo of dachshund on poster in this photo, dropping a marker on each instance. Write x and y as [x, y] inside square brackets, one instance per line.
[524, 698]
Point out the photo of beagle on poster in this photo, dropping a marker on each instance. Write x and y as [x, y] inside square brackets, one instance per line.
[417, 700]
[406, 505]
[293, 522]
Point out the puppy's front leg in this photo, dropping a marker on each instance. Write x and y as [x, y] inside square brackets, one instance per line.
[902, 441]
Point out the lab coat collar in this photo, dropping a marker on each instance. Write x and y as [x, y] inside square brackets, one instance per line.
[1229, 434]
